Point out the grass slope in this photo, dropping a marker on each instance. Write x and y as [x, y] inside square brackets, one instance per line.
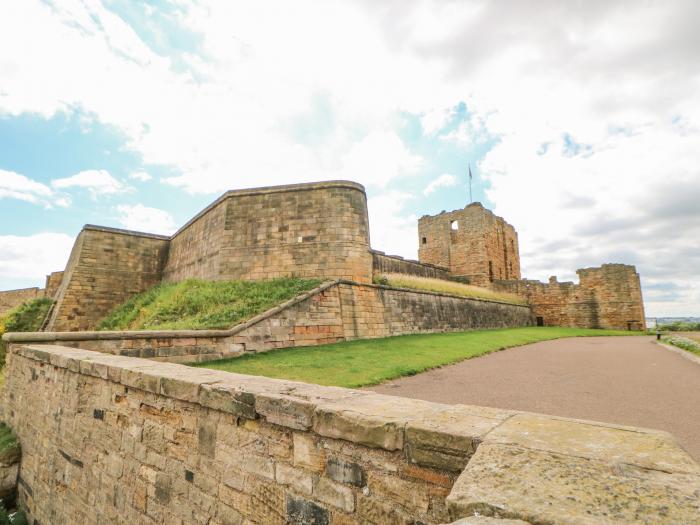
[429, 284]
[196, 305]
[371, 361]
[26, 317]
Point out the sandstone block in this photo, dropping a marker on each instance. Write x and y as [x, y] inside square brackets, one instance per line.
[346, 472]
[308, 453]
[545, 487]
[284, 410]
[334, 494]
[304, 512]
[301, 480]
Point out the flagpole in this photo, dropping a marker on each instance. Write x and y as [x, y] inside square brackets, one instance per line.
[470, 184]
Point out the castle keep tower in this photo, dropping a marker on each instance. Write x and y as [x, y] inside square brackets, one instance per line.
[472, 243]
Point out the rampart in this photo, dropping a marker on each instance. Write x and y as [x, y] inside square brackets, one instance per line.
[113, 439]
[303, 230]
[335, 311]
[472, 242]
[606, 297]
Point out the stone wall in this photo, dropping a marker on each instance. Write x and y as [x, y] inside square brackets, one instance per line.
[303, 230]
[53, 283]
[106, 267]
[9, 299]
[335, 311]
[472, 242]
[606, 297]
[383, 263]
[108, 439]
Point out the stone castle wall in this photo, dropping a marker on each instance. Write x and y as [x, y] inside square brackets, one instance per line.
[53, 282]
[106, 267]
[383, 263]
[10, 299]
[471, 242]
[606, 297]
[116, 440]
[305, 230]
[337, 311]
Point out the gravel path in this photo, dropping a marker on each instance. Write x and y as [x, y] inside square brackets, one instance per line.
[625, 380]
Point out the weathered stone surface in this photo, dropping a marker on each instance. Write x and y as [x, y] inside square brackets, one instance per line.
[544, 487]
[346, 472]
[304, 512]
[650, 449]
[485, 520]
[447, 438]
[335, 494]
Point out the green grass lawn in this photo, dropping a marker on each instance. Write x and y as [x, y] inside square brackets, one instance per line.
[371, 361]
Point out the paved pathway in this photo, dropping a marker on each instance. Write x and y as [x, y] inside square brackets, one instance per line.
[624, 380]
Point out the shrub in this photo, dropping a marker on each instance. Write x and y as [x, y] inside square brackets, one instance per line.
[27, 317]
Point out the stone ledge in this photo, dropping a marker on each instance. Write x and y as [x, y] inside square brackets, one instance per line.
[517, 465]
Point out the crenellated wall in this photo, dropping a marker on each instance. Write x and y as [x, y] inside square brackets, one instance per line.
[606, 297]
[110, 439]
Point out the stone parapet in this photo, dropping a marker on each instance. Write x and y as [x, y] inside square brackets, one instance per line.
[192, 444]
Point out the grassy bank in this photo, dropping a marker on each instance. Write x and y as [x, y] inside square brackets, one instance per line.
[687, 344]
[197, 305]
[372, 361]
[400, 280]
[26, 317]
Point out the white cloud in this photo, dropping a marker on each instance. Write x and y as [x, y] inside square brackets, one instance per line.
[144, 219]
[628, 98]
[27, 259]
[142, 176]
[98, 182]
[16, 186]
[392, 230]
[443, 181]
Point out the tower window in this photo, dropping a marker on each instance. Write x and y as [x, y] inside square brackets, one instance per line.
[424, 240]
[491, 271]
[454, 225]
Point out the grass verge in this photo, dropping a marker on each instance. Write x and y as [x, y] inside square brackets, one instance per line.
[198, 305]
[686, 344]
[371, 361]
[429, 284]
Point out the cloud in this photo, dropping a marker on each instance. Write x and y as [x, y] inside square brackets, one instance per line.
[16, 186]
[97, 182]
[144, 219]
[590, 128]
[443, 181]
[25, 260]
[142, 176]
[392, 229]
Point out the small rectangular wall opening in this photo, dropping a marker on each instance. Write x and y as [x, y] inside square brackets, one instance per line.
[491, 271]
[540, 321]
[424, 240]
[454, 225]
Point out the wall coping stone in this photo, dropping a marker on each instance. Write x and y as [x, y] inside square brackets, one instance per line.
[102, 335]
[414, 261]
[122, 231]
[519, 465]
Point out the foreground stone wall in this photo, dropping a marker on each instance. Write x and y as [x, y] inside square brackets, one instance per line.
[606, 297]
[471, 242]
[9, 299]
[106, 267]
[335, 311]
[301, 230]
[108, 439]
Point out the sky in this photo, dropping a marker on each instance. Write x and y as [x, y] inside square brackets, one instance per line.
[580, 120]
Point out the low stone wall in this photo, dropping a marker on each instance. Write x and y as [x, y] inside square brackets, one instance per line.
[383, 263]
[335, 311]
[9, 299]
[113, 439]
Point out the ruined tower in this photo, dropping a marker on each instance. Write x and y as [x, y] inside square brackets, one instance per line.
[472, 243]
